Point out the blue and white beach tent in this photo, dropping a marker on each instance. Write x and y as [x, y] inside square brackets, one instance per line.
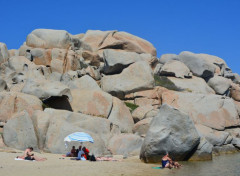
[79, 137]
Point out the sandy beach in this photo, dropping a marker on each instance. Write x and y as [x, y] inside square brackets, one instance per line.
[220, 165]
[61, 167]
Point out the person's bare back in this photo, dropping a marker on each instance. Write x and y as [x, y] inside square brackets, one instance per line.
[25, 154]
[28, 155]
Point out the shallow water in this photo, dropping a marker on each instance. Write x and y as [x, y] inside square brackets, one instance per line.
[224, 165]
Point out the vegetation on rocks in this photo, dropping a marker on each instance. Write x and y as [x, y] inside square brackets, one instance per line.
[131, 106]
[165, 82]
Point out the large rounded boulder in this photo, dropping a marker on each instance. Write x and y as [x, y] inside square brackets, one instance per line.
[121, 116]
[220, 84]
[44, 89]
[97, 40]
[210, 110]
[20, 64]
[92, 102]
[168, 57]
[19, 132]
[49, 38]
[170, 131]
[86, 82]
[195, 84]
[198, 66]
[14, 102]
[125, 144]
[116, 61]
[136, 77]
[63, 123]
[175, 68]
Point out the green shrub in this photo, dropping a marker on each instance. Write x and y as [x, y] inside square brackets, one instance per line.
[163, 81]
[131, 106]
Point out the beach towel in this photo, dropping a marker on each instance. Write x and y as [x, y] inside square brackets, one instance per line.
[20, 159]
[157, 167]
[79, 159]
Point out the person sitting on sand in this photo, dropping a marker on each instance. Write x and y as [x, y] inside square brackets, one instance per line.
[81, 153]
[79, 149]
[72, 153]
[28, 155]
[167, 162]
[86, 153]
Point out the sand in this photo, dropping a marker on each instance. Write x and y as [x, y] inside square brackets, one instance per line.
[62, 167]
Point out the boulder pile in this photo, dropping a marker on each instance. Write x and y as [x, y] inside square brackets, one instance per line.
[111, 85]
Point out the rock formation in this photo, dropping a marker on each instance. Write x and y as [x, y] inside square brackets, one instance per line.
[111, 85]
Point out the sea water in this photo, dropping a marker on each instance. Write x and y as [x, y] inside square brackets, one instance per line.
[224, 165]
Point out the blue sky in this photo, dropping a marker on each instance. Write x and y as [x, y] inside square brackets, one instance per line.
[172, 26]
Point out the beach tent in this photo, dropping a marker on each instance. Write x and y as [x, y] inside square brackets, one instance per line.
[78, 137]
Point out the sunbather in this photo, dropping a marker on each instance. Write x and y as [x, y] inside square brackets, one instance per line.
[176, 164]
[86, 153]
[28, 155]
[79, 149]
[167, 162]
[73, 152]
[106, 159]
[81, 153]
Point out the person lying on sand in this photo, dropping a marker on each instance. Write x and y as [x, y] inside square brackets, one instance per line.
[167, 162]
[176, 164]
[106, 159]
[28, 155]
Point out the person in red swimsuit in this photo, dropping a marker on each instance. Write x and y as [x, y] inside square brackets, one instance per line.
[86, 153]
